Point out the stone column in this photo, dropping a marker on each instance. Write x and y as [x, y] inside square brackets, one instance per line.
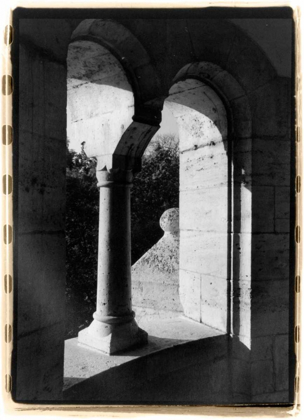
[114, 328]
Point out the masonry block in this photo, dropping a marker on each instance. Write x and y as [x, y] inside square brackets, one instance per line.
[41, 183]
[41, 281]
[271, 162]
[216, 46]
[262, 348]
[40, 32]
[242, 250]
[240, 377]
[214, 302]
[263, 209]
[270, 307]
[248, 64]
[243, 125]
[282, 208]
[242, 162]
[40, 356]
[273, 397]
[271, 115]
[42, 96]
[204, 168]
[270, 256]
[190, 293]
[204, 253]
[281, 362]
[208, 209]
[242, 310]
[262, 377]
[100, 109]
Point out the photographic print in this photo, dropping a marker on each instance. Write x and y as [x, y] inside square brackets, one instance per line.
[154, 206]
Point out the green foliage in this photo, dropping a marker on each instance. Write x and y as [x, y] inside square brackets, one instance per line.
[155, 189]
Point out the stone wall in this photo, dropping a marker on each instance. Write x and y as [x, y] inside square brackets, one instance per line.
[39, 194]
[202, 123]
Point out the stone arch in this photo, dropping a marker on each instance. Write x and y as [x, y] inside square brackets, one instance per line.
[142, 77]
[220, 91]
[133, 57]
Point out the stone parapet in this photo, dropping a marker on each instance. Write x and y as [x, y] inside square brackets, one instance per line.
[155, 279]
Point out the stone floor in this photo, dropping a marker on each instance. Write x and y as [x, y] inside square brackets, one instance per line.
[165, 330]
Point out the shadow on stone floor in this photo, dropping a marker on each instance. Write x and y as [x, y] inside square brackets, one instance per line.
[196, 372]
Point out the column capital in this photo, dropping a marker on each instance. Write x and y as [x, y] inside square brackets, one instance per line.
[114, 177]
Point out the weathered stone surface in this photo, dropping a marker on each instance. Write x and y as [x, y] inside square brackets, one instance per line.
[40, 363]
[155, 281]
[273, 397]
[263, 210]
[216, 46]
[282, 208]
[159, 295]
[214, 302]
[242, 310]
[242, 162]
[242, 214]
[190, 294]
[241, 377]
[40, 35]
[248, 64]
[40, 100]
[40, 198]
[100, 99]
[270, 116]
[41, 282]
[204, 253]
[203, 210]
[269, 307]
[118, 339]
[169, 221]
[243, 125]
[282, 225]
[199, 110]
[128, 48]
[192, 347]
[270, 256]
[281, 362]
[271, 162]
[262, 377]
[276, 47]
[270, 323]
[41, 183]
[204, 167]
[262, 348]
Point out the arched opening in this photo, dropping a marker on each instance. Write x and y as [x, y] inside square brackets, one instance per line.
[100, 101]
[228, 222]
[100, 108]
[200, 286]
[204, 209]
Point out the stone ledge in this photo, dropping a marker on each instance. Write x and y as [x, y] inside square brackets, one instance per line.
[83, 363]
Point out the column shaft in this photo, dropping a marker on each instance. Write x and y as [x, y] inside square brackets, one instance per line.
[113, 328]
[114, 252]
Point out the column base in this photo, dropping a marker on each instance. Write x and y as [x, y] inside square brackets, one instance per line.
[111, 339]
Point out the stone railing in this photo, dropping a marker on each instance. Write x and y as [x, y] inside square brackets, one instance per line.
[155, 276]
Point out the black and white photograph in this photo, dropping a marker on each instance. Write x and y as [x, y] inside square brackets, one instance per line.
[154, 191]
